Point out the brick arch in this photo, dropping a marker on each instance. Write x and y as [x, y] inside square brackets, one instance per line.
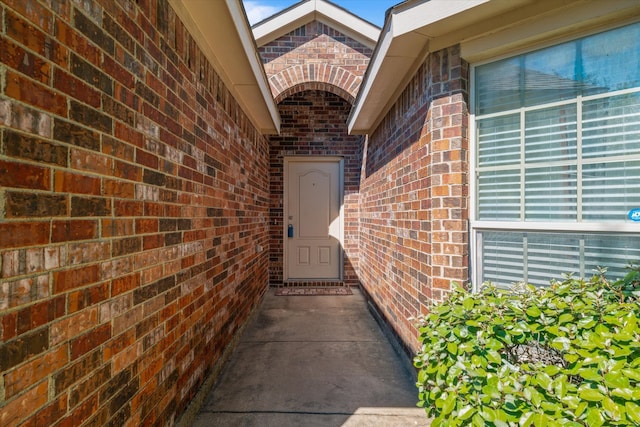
[326, 87]
[331, 78]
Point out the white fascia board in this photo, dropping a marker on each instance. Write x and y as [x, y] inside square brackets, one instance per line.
[348, 20]
[340, 19]
[393, 58]
[383, 97]
[221, 30]
[409, 30]
[283, 23]
[420, 17]
[248, 43]
[359, 121]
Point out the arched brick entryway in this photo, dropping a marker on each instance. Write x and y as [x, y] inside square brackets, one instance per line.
[315, 73]
[315, 53]
[330, 78]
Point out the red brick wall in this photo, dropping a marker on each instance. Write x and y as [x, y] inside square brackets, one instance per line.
[414, 204]
[314, 124]
[133, 207]
[318, 53]
[315, 72]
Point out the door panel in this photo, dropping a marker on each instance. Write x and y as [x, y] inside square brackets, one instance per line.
[314, 204]
[313, 210]
[303, 255]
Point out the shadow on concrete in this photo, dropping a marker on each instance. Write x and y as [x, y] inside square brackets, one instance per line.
[313, 361]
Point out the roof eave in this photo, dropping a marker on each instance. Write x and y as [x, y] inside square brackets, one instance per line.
[230, 47]
[321, 10]
[483, 27]
[402, 46]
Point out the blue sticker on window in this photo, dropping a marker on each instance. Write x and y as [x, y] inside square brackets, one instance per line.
[634, 214]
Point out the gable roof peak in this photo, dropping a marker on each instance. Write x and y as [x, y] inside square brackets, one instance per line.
[324, 11]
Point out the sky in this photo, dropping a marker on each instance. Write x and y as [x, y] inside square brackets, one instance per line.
[370, 10]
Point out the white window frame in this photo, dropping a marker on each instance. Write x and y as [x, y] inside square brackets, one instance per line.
[476, 226]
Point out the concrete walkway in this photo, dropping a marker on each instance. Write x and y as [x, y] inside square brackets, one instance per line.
[313, 361]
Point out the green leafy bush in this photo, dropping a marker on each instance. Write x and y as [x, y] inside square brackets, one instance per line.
[565, 355]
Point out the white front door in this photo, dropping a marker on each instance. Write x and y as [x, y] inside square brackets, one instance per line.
[312, 218]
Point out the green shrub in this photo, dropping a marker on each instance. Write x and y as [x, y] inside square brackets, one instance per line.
[565, 355]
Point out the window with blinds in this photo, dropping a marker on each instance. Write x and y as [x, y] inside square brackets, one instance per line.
[557, 160]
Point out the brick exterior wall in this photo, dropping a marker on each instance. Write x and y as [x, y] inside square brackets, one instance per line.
[141, 213]
[314, 124]
[134, 201]
[315, 53]
[414, 188]
[315, 73]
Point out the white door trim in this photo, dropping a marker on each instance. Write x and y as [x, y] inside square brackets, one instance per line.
[285, 210]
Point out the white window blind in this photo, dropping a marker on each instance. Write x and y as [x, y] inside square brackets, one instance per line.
[558, 142]
[538, 257]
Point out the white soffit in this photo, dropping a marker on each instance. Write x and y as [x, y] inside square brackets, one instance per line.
[571, 18]
[316, 10]
[406, 37]
[416, 27]
[221, 30]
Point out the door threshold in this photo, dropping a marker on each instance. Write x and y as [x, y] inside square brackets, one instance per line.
[313, 291]
[315, 283]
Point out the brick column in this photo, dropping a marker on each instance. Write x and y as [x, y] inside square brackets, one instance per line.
[414, 195]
